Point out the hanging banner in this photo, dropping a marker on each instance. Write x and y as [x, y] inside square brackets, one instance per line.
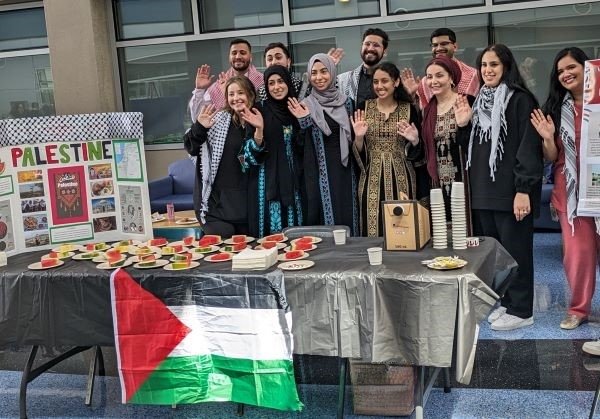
[72, 179]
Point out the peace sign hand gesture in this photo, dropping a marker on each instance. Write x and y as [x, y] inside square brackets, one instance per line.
[298, 109]
[206, 116]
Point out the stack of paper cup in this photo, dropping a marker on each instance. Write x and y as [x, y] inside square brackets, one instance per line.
[438, 219]
[459, 216]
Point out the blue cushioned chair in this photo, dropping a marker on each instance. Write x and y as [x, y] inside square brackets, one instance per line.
[177, 187]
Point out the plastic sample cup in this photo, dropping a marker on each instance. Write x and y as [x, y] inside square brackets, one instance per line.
[171, 212]
[375, 255]
[339, 236]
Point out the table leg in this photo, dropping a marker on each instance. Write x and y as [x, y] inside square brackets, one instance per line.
[595, 402]
[96, 363]
[240, 409]
[447, 382]
[29, 375]
[342, 387]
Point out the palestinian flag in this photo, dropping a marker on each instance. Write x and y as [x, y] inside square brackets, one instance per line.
[183, 341]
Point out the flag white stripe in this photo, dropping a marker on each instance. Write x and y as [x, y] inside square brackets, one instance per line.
[259, 334]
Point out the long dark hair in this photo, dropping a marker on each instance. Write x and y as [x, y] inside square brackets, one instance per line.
[557, 92]
[511, 75]
[400, 94]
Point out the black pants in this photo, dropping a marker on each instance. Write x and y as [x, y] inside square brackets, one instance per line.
[223, 228]
[517, 238]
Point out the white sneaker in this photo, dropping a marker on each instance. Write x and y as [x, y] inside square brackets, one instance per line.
[496, 314]
[592, 348]
[510, 322]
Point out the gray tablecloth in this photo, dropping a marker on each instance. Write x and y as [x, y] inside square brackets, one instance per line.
[398, 311]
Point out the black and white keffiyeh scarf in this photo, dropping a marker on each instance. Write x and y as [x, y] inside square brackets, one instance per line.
[489, 122]
[567, 138]
[210, 157]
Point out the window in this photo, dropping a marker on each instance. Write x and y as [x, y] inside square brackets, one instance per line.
[26, 87]
[411, 6]
[220, 15]
[23, 29]
[303, 11]
[150, 18]
[536, 35]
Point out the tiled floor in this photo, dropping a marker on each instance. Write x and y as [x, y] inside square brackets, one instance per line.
[536, 372]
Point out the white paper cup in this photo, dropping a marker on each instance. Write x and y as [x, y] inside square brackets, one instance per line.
[436, 196]
[375, 255]
[472, 241]
[339, 236]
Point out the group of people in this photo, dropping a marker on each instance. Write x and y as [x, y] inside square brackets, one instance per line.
[273, 153]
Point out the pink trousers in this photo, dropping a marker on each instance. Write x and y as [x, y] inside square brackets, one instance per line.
[580, 260]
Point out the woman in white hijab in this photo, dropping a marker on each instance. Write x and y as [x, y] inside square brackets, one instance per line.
[328, 172]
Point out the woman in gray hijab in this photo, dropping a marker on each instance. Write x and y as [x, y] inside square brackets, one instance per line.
[328, 172]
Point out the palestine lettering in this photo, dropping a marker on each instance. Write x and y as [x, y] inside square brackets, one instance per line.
[64, 153]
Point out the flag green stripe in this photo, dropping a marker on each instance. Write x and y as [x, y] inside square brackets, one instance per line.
[209, 378]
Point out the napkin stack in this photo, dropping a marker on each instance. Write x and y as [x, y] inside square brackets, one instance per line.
[255, 259]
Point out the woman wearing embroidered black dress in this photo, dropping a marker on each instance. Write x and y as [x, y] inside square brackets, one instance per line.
[328, 175]
[274, 185]
[216, 138]
[505, 171]
[383, 132]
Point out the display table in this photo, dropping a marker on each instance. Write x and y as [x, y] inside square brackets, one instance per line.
[399, 311]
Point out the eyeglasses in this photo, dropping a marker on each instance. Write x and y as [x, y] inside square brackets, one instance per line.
[372, 44]
[441, 44]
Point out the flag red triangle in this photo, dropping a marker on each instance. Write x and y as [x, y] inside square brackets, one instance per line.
[146, 331]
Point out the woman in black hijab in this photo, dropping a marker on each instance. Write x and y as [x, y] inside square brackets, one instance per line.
[274, 195]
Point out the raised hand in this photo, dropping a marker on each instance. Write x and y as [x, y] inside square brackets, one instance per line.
[410, 83]
[253, 117]
[298, 109]
[222, 80]
[543, 125]
[336, 54]
[462, 111]
[359, 124]
[206, 116]
[409, 131]
[203, 77]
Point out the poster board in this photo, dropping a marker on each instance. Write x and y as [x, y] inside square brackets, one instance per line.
[589, 159]
[72, 179]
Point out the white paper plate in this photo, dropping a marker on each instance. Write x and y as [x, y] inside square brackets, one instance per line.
[195, 256]
[105, 265]
[180, 242]
[106, 247]
[67, 256]
[280, 246]
[259, 241]
[68, 248]
[82, 256]
[283, 259]
[296, 265]
[185, 249]
[133, 250]
[222, 249]
[210, 258]
[197, 243]
[158, 263]
[249, 239]
[186, 222]
[157, 219]
[212, 250]
[169, 267]
[37, 266]
[133, 243]
[289, 248]
[315, 239]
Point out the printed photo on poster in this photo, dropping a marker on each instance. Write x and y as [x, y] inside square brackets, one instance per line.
[132, 215]
[103, 205]
[29, 176]
[7, 241]
[100, 171]
[33, 205]
[128, 160]
[103, 224]
[35, 222]
[68, 195]
[102, 188]
[31, 190]
[37, 238]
